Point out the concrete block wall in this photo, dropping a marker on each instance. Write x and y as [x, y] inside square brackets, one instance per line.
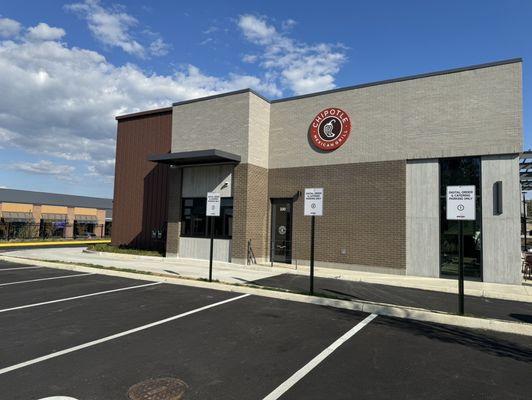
[473, 112]
[501, 233]
[221, 123]
[423, 218]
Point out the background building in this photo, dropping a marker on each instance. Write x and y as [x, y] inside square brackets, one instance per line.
[384, 184]
[26, 215]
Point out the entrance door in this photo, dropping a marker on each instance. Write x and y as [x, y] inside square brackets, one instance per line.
[281, 245]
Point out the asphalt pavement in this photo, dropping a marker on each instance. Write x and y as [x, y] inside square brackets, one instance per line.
[431, 300]
[99, 337]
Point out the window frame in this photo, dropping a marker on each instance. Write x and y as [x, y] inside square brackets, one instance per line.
[206, 235]
[442, 199]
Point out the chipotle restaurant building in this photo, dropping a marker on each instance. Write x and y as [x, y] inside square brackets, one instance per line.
[383, 152]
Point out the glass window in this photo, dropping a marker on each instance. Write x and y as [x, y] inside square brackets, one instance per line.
[194, 222]
[460, 171]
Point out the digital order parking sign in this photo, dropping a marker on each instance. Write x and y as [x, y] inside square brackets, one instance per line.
[461, 203]
[314, 202]
[213, 204]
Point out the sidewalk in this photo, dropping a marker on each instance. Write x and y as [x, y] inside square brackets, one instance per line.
[233, 273]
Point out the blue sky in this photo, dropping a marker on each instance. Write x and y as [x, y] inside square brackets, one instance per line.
[67, 68]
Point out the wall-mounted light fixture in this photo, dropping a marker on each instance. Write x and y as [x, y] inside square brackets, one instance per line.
[497, 198]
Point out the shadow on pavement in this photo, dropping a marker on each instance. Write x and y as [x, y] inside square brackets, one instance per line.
[426, 299]
[495, 344]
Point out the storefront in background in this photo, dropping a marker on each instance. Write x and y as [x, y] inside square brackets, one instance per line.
[383, 152]
[31, 215]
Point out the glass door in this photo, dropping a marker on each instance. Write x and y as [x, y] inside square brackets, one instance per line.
[281, 242]
[460, 171]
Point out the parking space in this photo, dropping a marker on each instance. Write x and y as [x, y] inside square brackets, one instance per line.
[11, 274]
[89, 339]
[402, 359]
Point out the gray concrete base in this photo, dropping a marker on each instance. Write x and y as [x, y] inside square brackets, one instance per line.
[350, 267]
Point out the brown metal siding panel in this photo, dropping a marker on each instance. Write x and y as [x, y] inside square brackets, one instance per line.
[140, 192]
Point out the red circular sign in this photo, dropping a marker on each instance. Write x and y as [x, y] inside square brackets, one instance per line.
[330, 129]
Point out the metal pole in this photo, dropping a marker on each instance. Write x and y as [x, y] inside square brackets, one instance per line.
[524, 218]
[312, 227]
[461, 269]
[212, 243]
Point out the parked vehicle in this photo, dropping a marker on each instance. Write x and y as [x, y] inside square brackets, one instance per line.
[87, 235]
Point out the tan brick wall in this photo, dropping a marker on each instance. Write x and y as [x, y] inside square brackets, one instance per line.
[475, 112]
[71, 215]
[259, 131]
[364, 212]
[37, 213]
[221, 123]
[17, 207]
[257, 221]
[45, 209]
[250, 211]
[240, 204]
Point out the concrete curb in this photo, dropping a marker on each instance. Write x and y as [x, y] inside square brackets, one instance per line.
[122, 256]
[53, 243]
[389, 310]
[334, 274]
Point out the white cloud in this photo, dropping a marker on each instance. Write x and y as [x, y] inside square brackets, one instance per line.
[60, 101]
[9, 27]
[288, 24]
[159, 47]
[104, 169]
[303, 67]
[44, 32]
[250, 58]
[110, 26]
[211, 29]
[257, 30]
[45, 167]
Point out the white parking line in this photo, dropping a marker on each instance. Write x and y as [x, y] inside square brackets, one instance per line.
[12, 269]
[79, 297]
[116, 336]
[283, 388]
[46, 279]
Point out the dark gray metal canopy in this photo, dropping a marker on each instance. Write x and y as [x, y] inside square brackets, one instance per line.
[525, 170]
[211, 156]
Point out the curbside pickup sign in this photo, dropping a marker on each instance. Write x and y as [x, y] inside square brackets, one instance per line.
[314, 201]
[213, 204]
[461, 203]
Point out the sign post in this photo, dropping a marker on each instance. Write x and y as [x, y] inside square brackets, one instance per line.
[212, 211]
[313, 208]
[461, 207]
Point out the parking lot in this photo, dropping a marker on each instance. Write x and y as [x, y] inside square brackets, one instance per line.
[91, 336]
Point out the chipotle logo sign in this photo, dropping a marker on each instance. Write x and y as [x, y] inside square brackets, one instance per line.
[330, 129]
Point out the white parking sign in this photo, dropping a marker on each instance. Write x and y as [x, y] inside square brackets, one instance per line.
[213, 204]
[461, 203]
[314, 201]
